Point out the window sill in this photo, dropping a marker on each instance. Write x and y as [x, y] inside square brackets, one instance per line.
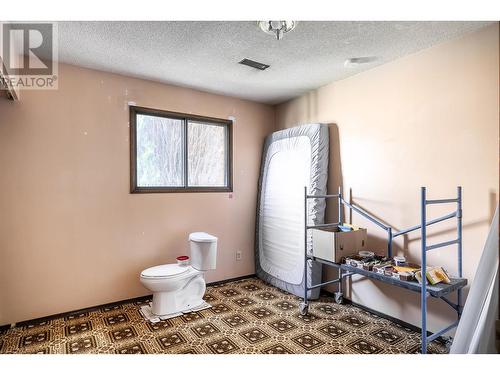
[198, 189]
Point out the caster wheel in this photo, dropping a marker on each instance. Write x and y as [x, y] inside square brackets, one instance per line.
[303, 308]
[339, 298]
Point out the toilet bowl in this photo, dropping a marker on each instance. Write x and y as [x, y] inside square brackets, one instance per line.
[180, 286]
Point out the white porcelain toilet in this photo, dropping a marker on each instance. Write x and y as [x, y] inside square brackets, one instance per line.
[180, 286]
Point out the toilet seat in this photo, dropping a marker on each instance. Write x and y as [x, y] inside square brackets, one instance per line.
[164, 271]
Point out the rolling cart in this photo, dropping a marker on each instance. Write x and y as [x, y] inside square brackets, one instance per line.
[441, 291]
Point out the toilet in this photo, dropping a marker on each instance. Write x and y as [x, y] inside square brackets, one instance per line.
[180, 286]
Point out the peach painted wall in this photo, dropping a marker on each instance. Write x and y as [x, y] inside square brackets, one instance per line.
[71, 235]
[428, 119]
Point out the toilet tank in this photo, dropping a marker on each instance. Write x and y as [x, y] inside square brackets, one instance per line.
[203, 251]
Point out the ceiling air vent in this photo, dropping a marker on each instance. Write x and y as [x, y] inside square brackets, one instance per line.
[254, 64]
[354, 61]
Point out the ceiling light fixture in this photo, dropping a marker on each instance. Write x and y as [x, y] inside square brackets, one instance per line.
[277, 28]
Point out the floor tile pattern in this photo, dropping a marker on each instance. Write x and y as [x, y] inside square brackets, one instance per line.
[247, 316]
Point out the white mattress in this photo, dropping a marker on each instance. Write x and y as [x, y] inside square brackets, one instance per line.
[281, 247]
[292, 158]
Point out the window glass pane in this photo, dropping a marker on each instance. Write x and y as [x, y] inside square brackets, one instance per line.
[159, 151]
[206, 154]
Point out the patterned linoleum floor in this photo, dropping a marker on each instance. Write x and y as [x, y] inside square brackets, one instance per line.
[247, 316]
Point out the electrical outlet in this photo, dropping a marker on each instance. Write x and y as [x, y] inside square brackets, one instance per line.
[238, 255]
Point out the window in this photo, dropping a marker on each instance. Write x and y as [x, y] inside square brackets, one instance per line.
[175, 152]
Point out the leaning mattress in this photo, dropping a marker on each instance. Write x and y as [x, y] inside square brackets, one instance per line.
[292, 158]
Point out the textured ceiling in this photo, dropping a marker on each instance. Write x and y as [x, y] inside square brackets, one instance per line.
[205, 55]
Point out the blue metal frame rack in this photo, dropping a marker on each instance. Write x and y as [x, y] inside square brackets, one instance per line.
[436, 291]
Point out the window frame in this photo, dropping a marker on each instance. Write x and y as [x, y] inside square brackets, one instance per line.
[185, 117]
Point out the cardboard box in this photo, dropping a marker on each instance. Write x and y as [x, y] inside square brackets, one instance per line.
[332, 244]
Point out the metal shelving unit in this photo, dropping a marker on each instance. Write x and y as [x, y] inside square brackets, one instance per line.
[440, 291]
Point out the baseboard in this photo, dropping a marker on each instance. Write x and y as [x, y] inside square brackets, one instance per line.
[80, 311]
[4, 328]
[385, 316]
[107, 305]
[231, 280]
[389, 318]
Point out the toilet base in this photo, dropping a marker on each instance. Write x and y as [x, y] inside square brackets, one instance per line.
[187, 298]
[147, 314]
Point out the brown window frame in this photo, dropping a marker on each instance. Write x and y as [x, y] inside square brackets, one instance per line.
[186, 117]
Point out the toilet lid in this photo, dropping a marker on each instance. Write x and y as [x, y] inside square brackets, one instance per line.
[164, 271]
[202, 237]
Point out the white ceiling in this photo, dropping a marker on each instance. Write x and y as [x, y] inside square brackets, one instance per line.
[205, 55]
